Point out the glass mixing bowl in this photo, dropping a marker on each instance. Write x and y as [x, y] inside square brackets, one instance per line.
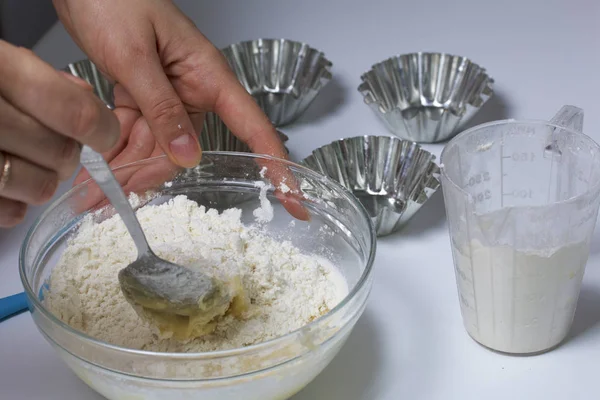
[339, 230]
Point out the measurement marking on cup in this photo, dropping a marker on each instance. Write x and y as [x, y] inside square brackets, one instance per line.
[502, 174]
[482, 196]
[522, 157]
[520, 193]
[478, 179]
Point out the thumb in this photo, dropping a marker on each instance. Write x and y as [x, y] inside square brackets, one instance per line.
[164, 111]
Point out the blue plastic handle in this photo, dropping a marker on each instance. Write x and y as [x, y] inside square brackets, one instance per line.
[13, 305]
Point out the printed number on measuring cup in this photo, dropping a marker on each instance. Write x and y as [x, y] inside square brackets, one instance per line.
[477, 179]
[521, 130]
[520, 193]
[521, 157]
[523, 193]
[482, 196]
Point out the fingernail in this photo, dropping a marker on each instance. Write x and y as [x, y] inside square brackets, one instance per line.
[185, 150]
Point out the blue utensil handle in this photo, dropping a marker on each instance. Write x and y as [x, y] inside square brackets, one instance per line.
[13, 305]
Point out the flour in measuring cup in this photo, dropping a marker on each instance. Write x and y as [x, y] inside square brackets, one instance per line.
[517, 301]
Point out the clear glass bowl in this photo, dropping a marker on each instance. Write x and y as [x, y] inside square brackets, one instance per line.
[339, 229]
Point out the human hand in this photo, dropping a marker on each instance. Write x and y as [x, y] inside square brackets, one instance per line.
[166, 68]
[135, 144]
[43, 116]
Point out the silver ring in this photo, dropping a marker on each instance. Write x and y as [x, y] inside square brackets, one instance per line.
[5, 172]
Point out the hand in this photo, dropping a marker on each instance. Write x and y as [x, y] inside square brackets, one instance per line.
[43, 116]
[136, 143]
[166, 69]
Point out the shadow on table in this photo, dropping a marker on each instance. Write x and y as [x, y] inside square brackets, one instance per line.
[92, 394]
[352, 373]
[496, 108]
[587, 315]
[432, 215]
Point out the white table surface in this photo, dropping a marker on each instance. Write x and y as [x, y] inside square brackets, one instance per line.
[410, 343]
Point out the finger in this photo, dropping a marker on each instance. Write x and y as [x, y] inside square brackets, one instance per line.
[147, 175]
[140, 144]
[197, 122]
[139, 147]
[152, 176]
[39, 90]
[29, 183]
[143, 177]
[11, 212]
[243, 116]
[162, 107]
[123, 98]
[78, 81]
[287, 187]
[127, 118]
[25, 137]
[294, 204]
[245, 119]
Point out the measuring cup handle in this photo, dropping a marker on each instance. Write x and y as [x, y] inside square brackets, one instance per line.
[570, 117]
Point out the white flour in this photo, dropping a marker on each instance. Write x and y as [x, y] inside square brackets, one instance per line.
[284, 188]
[264, 213]
[288, 289]
[263, 172]
[519, 302]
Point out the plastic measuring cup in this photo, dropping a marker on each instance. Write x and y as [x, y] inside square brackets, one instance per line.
[521, 201]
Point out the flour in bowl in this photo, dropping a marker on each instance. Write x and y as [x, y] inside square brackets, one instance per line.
[287, 289]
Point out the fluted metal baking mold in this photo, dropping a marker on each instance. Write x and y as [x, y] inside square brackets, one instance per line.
[89, 72]
[283, 76]
[391, 177]
[426, 97]
[215, 136]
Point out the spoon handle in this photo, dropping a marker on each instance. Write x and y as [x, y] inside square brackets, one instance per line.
[101, 173]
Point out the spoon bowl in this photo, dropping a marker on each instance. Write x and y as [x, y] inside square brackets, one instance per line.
[160, 285]
[159, 290]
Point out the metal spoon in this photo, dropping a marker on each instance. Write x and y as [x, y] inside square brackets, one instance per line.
[150, 281]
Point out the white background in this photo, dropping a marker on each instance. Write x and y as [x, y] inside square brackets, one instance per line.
[410, 343]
